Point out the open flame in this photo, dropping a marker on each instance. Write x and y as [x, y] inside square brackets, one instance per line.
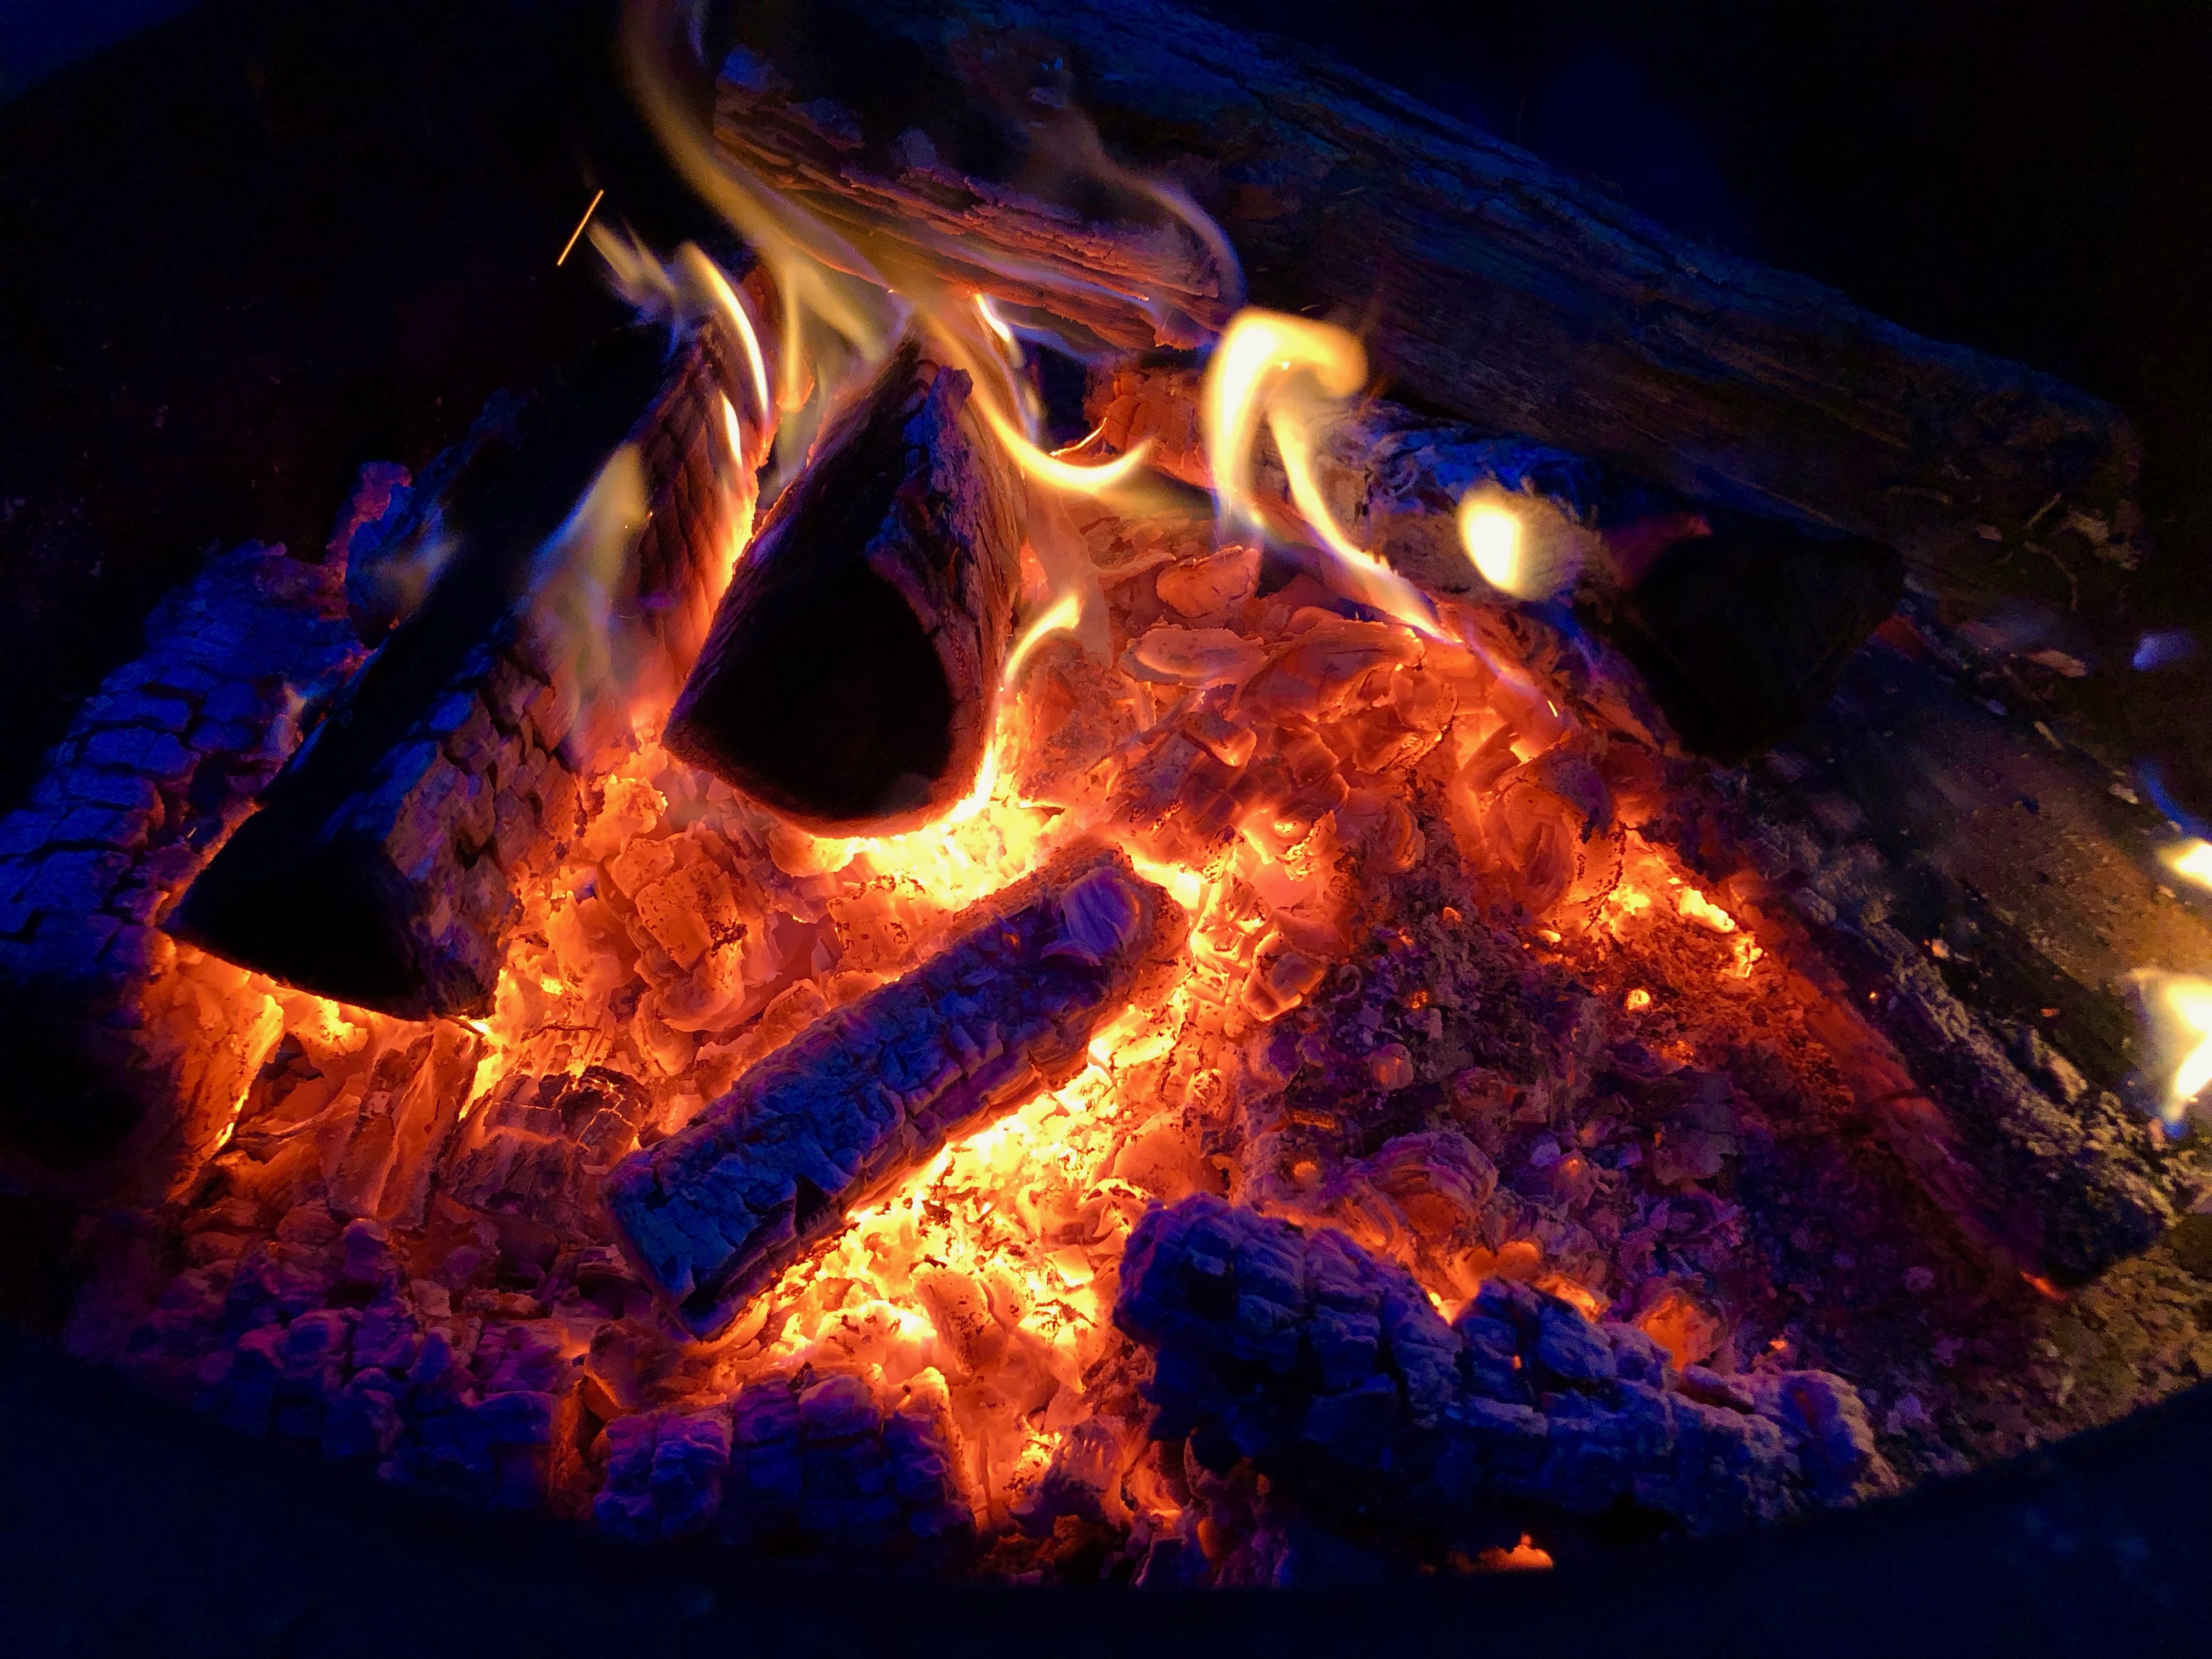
[1293, 376]
[2178, 1010]
[2191, 861]
[1262, 756]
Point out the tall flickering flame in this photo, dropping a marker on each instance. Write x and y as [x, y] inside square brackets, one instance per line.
[1295, 377]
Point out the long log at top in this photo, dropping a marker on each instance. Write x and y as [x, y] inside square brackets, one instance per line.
[1485, 282]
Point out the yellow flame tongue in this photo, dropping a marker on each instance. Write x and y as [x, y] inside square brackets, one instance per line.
[1296, 375]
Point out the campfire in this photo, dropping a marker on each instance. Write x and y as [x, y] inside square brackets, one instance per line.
[973, 905]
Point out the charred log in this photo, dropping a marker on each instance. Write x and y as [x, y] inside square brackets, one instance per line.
[1332, 1372]
[161, 763]
[381, 865]
[1970, 901]
[1742, 634]
[1741, 625]
[847, 682]
[871, 1091]
[796, 1465]
[1488, 284]
[1903, 813]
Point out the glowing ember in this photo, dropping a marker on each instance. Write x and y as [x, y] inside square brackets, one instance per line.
[1307, 781]
[1523, 1557]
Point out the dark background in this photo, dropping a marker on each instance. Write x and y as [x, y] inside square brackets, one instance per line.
[258, 243]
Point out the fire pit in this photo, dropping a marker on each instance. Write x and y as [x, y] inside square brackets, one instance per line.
[994, 902]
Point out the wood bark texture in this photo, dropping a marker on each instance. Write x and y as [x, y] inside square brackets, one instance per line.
[1970, 904]
[1331, 1370]
[381, 864]
[871, 1092]
[1485, 282]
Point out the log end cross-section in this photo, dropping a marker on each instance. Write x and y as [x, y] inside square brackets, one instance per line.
[848, 679]
[869, 1092]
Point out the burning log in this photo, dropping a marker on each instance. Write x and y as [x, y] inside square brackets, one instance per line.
[1972, 902]
[1877, 831]
[132, 1053]
[1332, 1372]
[1741, 625]
[848, 681]
[1485, 281]
[381, 867]
[871, 1092]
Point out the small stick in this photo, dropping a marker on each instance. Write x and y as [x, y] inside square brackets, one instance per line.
[576, 234]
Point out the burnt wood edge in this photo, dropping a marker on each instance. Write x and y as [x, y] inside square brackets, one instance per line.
[848, 681]
[443, 771]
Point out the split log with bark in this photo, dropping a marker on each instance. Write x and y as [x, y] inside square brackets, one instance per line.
[869, 1092]
[575, 563]
[1485, 282]
[849, 680]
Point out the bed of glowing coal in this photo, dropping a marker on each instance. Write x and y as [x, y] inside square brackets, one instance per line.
[1469, 1194]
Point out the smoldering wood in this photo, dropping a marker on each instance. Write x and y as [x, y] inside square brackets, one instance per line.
[160, 763]
[1742, 625]
[797, 1465]
[848, 683]
[1976, 899]
[367, 1139]
[1485, 282]
[1873, 832]
[869, 1092]
[539, 1148]
[381, 867]
[1332, 1371]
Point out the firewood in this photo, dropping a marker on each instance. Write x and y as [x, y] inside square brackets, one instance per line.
[1742, 625]
[837, 1466]
[380, 867]
[848, 682]
[1484, 282]
[1975, 899]
[869, 1092]
[1330, 1370]
[2026, 1126]
[157, 767]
